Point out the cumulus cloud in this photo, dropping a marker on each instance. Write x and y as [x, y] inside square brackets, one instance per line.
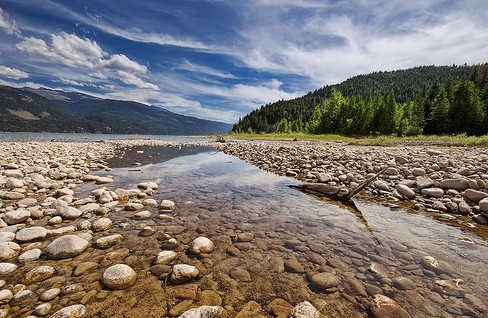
[71, 50]
[8, 25]
[13, 73]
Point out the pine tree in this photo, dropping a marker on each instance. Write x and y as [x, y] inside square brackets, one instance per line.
[465, 112]
[440, 113]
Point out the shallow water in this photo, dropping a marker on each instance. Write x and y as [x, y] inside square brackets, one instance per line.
[34, 136]
[220, 197]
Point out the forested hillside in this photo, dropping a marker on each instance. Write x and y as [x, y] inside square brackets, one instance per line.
[368, 98]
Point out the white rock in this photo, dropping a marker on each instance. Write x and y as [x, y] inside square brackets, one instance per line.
[30, 255]
[6, 237]
[201, 245]
[202, 312]
[50, 294]
[405, 191]
[8, 250]
[13, 183]
[304, 310]
[5, 296]
[142, 215]
[67, 212]
[183, 272]
[7, 268]
[165, 257]
[119, 276]
[42, 309]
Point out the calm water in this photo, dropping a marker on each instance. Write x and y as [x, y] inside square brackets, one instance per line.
[220, 197]
[21, 136]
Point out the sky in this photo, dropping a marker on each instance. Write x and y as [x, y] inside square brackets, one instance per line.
[221, 59]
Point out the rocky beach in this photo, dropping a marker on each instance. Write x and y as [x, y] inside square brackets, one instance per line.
[130, 228]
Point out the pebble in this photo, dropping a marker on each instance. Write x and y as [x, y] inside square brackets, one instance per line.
[39, 274]
[30, 255]
[304, 310]
[119, 276]
[324, 281]
[50, 294]
[42, 309]
[142, 215]
[7, 268]
[16, 216]
[385, 307]
[202, 312]
[5, 296]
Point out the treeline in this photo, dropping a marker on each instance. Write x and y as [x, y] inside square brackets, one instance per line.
[381, 102]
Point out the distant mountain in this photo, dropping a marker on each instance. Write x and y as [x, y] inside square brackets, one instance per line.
[407, 85]
[58, 111]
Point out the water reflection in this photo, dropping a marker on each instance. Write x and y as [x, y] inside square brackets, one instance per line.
[220, 197]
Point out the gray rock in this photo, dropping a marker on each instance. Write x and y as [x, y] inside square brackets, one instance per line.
[66, 246]
[67, 212]
[102, 224]
[16, 216]
[108, 241]
[42, 309]
[403, 283]
[405, 191]
[50, 294]
[438, 205]
[484, 206]
[31, 234]
[424, 182]
[165, 257]
[30, 255]
[119, 276]
[433, 192]
[6, 237]
[474, 195]
[418, 172]
[324, 281]
[456, 184]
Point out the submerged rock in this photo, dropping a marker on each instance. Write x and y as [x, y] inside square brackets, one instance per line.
[66, 246]
[304, 310]
[385, 307]
[74, 311]
[183, 272]
[202, 312]
[119, 276]
[201, 245]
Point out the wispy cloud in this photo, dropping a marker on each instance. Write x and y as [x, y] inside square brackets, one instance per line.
[13, 73]
[192, 67]
[9, 25]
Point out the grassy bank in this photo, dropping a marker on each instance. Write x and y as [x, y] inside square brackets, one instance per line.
[455, 140]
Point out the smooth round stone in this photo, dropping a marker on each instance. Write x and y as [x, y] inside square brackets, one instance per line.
[23, 297]
[6, 237]
[16, 216]
[31, 234]
[66, 246]
[102, 224]
[304, 310]
[165, 257]
[5, 296]
[131, 206]
[30, 255]
[142, 215]
[403, 283]
[84, 267]
[324, 280]
[39, 274]
[9, 250]
[68, 212]
[55, 220]
[150, 202]
[108, 241]
[42, 309]
[74, 311]
[167, 205]
[201, 245]
[50, 294]
[7, 268]
[183, 272]
[119, 276]
[202, 312]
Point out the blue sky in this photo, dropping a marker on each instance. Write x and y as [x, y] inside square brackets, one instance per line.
[220, 59]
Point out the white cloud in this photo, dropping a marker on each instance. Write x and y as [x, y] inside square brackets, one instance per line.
[12, 73]
[24, 84]
[192, 67]
[9, 25]
[71, 50]
[131, 79]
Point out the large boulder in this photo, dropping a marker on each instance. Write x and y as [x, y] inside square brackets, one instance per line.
[66, 246]
[119, 276]
[474, 195]
[456, 184]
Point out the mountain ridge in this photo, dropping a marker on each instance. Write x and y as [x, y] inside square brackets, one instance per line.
[49, 110]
